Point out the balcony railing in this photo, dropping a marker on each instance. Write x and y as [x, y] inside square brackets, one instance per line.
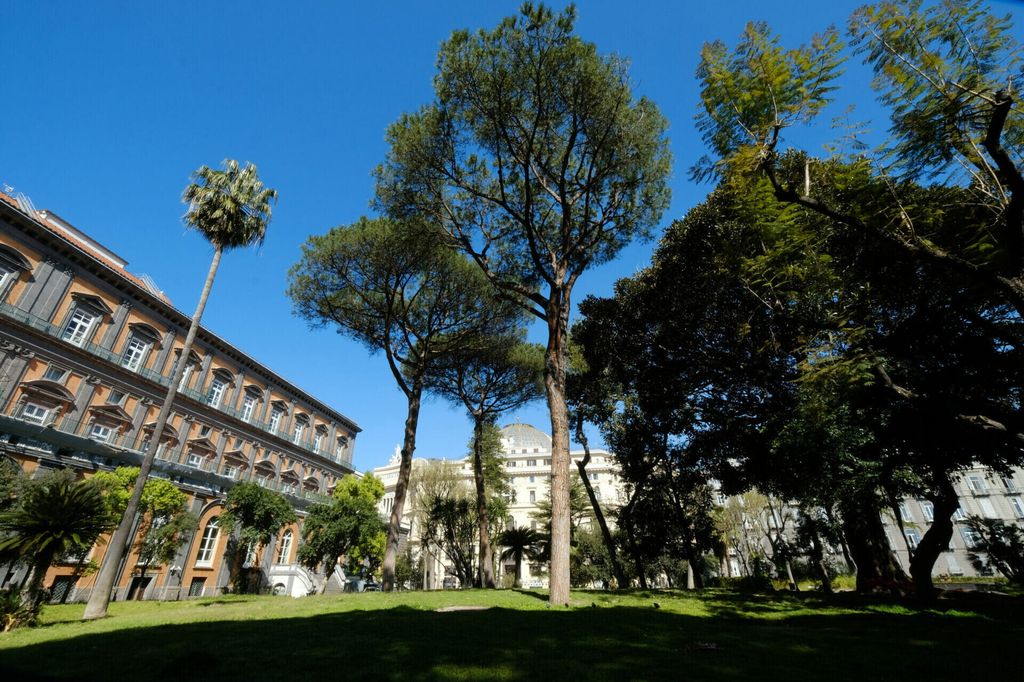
[53, 330]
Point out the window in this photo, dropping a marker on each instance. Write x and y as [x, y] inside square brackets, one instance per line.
[510, 464]
[531, 462]
[1009, 484]
[195, 588]
[913, 537]
[284, 553]
[134, 353]
[297, 435]
[275, 419]
[1018, 506]
[597, 493]
[204, 557]
[115, 397]
[56, 374]
[960, 514]
[250, 556]
[248, 405]
[185, 377]
[101, 433]
[230, 470]
[204, 431]
[7, 276]
[533, 496]
[987, 509]
[317, 442]
[339, 450]
[905, 512]
[928, 509]
[213, 398]
[977, 483]
[970, 537]
[547, 462]
[35, 414]
[78, 326]
[195, 460]
[532, 479]
[595, 477]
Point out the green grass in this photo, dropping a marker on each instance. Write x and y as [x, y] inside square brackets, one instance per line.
[716, 635]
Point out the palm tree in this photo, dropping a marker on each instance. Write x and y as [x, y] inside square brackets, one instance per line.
[518, 543]
[54, 516]
[231, 209]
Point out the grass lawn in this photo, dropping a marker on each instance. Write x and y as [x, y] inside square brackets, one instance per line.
[715, 635]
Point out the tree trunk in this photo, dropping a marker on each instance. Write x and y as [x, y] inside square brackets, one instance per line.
[121, 539]
[818, 558]
[936, 539]
[609, 544]
[554, 382]
[402, 486]
[693, 562]
[327, 578]
[482, 522]
[789, 574]
[518, 582]
[634, 550]
[869, 546]
[851, 565]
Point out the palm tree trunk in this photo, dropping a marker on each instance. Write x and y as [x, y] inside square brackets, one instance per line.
[34, 594]
[519, 570]
[482, 522]
[402, 485]
[99, 599]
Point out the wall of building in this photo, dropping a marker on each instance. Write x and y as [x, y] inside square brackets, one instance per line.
[87, 351]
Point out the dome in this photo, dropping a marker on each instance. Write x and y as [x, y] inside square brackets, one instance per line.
[523, 436]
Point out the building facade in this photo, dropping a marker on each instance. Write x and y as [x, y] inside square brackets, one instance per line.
[87, 350]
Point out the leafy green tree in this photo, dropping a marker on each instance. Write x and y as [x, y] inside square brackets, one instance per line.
[591, 398]
[393, 287]
[998, 546]
[257, 515]
[348, 524]
[407, 571]
[501, 375]
[538, 162]
[165, 522]
[958, 243]
[579, 511]
[54, 515]
[446, 514]
[231, 209]
[12, 477]
[520, 543]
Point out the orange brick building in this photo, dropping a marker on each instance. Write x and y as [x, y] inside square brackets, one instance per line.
[87, 350]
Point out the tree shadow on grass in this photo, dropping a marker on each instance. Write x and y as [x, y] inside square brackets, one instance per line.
[501, 644]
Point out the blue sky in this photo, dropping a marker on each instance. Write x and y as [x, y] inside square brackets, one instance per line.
[110, 106]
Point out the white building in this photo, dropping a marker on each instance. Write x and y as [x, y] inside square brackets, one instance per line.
[527, 453]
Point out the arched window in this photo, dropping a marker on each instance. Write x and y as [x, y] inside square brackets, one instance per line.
[284, 552]
[12, 264]
[209, 542]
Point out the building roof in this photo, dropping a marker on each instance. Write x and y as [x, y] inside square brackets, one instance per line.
[112, 263]
[525, 436]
